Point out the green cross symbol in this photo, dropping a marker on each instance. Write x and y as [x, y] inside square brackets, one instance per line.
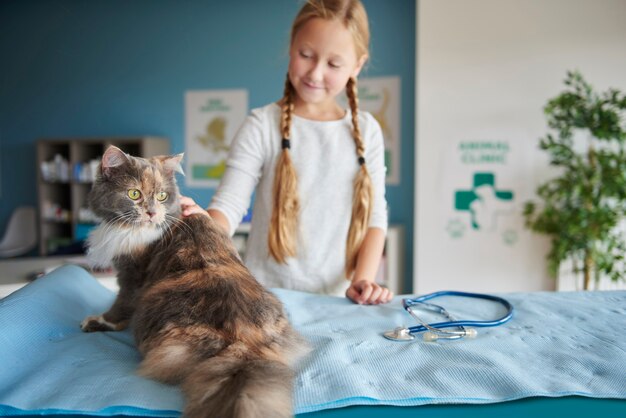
[464, 199]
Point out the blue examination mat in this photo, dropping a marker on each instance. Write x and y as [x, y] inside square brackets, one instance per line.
[557, 344]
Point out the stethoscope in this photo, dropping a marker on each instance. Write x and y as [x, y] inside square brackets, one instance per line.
[436, 331]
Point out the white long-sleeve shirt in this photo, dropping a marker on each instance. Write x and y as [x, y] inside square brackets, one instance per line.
[326, 163]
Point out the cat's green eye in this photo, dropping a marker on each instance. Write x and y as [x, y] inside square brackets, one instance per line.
[162, 196]
[134, 194]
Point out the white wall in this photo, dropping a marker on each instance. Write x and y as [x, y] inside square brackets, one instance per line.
[485, 70]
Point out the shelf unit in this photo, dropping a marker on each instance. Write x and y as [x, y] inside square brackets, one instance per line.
[68, 193]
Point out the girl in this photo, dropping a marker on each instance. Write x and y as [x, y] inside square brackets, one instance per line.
[320, 213]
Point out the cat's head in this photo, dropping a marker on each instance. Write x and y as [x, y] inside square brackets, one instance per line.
[136, 192]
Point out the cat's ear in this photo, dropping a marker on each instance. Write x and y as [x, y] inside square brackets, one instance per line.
[171, 163]
[113, 157]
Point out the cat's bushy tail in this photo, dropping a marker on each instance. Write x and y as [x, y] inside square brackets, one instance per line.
[231, 387]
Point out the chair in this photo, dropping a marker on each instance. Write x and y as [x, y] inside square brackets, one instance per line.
[20, 236]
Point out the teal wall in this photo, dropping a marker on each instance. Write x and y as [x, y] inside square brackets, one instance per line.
[120, 68]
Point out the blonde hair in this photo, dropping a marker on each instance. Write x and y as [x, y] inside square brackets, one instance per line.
[283, 225]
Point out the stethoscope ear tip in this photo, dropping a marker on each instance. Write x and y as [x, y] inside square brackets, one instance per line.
[429, 336]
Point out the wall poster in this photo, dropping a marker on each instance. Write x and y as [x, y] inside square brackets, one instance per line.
[212, 118]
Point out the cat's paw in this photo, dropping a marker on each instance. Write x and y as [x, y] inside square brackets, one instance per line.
[96, 323]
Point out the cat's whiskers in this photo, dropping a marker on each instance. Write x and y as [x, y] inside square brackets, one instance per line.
[167, 228]
[124, 217]
[169, 224]
[175, 221]
[114, 223]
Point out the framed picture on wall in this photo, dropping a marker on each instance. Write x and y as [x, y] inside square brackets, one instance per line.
[211, 120]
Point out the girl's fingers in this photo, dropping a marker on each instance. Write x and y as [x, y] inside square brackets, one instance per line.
[385, 296]
[375, 295]
[368, 293]
[365, 293]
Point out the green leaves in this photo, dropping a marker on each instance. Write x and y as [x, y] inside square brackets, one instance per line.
[580, 107]
[581, 208]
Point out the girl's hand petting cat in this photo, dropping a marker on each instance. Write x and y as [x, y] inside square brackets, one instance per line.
[189, 207]
[365, 292]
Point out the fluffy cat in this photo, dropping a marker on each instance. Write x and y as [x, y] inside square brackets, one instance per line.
[199, 317]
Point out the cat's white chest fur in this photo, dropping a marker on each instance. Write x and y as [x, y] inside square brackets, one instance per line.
[106, 241]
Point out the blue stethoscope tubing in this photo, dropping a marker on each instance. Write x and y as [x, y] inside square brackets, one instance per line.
[407, 303]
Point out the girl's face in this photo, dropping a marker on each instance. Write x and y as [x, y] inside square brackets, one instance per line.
[322, 59]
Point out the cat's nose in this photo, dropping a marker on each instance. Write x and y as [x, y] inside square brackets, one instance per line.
[151, 214]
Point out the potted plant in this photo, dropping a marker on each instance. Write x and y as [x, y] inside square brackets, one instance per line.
[581, 208]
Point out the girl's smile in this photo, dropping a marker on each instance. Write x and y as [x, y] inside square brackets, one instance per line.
[312, 86]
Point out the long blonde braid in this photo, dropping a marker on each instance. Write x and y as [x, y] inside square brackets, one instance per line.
[363, 188]
[282, 235]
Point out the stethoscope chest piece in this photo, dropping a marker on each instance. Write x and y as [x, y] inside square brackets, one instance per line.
[399, 334]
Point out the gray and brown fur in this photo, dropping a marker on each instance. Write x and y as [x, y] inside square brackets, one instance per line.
[200, 319]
